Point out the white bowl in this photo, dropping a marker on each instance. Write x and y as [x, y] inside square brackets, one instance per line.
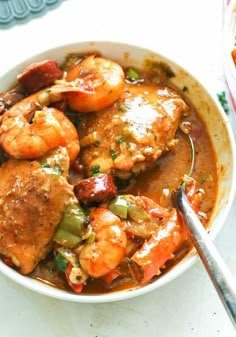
[220, 133]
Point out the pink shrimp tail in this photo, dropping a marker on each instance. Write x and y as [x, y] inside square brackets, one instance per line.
[160, 247]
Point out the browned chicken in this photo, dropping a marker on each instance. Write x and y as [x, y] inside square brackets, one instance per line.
[33, 198]
[133, 133]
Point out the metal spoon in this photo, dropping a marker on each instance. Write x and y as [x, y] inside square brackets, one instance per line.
[219, 273]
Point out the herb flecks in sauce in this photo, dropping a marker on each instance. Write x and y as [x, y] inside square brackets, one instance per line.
[223, 101]
[126, 139]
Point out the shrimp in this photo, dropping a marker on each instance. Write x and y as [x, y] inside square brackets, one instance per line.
[91, 85]
[152, 256]
[159, 248]
[30, 129]
[96, 84]
[107, 251]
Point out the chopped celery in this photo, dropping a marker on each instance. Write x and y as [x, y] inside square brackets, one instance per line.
[68, 255]
[73, 220]
[61, 262]
[66, 239]
[138, 213]
[122, 207]
[91, 238]
[119, 206]
[70, 229]
[133, 74]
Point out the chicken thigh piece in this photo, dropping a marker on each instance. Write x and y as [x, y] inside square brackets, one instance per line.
[33, 198]
[133, 133]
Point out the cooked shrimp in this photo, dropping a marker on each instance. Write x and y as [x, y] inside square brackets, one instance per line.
[29, 130]
[152, 256]
[92, 85]
[96, 84]
[159, 248]
[108, 249]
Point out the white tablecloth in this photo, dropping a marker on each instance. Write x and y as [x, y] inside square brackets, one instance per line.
[190, 32]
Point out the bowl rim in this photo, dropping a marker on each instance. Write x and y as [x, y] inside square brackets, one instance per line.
[188, 261]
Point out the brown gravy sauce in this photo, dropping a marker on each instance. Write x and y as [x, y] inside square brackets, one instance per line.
[158, 183]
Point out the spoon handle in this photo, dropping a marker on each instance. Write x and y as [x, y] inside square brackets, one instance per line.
[219, 273]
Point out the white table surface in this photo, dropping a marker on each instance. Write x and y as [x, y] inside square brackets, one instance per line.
[189, 31]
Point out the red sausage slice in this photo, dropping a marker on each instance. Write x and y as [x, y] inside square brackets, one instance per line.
[39, 75]
[95, 189]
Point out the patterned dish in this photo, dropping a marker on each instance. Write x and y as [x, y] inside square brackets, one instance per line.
[19, 11]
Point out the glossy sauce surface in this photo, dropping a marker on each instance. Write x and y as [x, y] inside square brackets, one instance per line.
[135, 140]
[158, 183]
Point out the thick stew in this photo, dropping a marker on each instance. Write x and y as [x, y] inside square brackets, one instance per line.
[91, 153]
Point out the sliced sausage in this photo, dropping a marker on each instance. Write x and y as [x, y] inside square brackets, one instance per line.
[39, 75]
[8, 99]
[95, 189]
